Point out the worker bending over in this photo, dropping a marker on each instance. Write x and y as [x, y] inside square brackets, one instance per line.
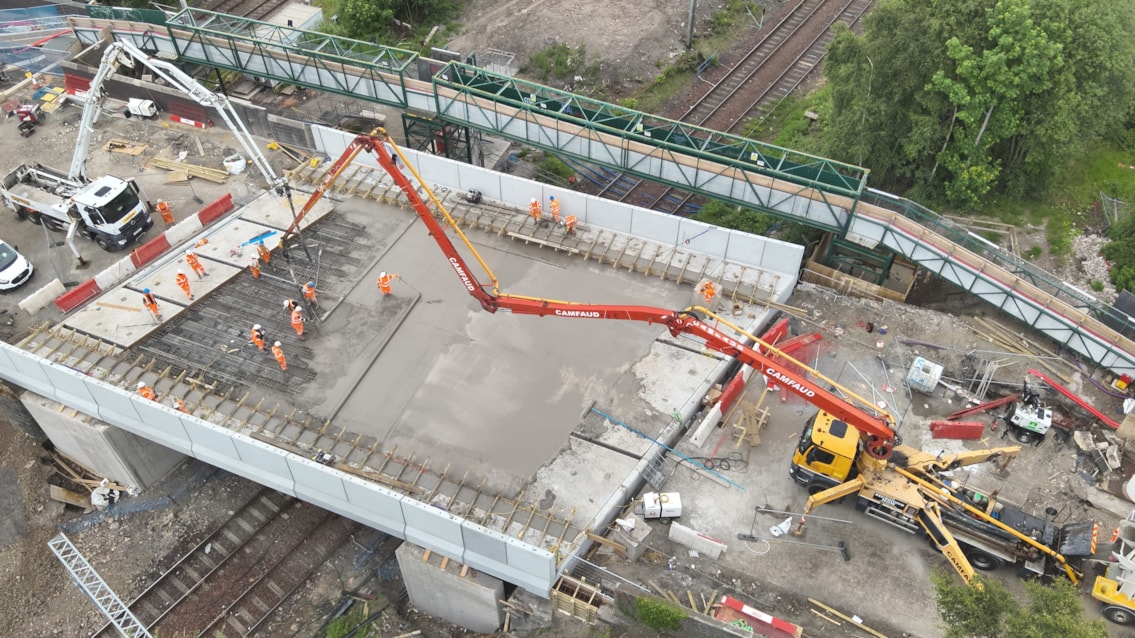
[182, 282]
[257, 336]
[151, 303]
[146, 391]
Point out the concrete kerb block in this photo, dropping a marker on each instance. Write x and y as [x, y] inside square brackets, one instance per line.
[43, 297]
[183, 230]
[701, 543]
[115, 273]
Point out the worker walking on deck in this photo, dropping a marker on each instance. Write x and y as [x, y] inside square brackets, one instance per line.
[179, 405]
[290, 306]
[555, 208]
[195, 263]
[309, 293]
[570, 222]
[182, 282]
[151, 303]
[535, 211]
[385, 283]
[264, 253]
[257, 336]
[278, 352]
[254, 267]
[297, 321]
[146, 391]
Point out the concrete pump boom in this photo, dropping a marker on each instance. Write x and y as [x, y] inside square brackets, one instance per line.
[877, 428]
[122, 52]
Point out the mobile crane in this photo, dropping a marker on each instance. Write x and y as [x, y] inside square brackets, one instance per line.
[110, 210]
[849, 447]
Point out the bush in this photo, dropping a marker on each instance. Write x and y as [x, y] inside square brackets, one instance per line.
[658, 615]
[555, 166]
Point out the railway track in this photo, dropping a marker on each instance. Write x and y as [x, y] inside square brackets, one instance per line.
[246, 568]
[769, 72]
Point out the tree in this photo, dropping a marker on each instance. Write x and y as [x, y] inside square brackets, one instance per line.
[1120, 253]
[366, 19]
[966, 98]
[719, 213]
[985, 609]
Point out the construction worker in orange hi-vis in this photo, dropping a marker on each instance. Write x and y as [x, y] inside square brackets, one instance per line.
[534, 210]
[708, 291]
[278, 352]
[151, 303]
[555, 208]
[570, 223]
[385, 283]
[290, 306]
[195, 263]
[257, 336]
[183, 282]
[254, 267]
[146, 391]
[298, 321]
[179, 405]
[309, 293]
[165, 211]
[263, 252]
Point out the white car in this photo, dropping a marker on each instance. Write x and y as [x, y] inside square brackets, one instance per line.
[15, 269]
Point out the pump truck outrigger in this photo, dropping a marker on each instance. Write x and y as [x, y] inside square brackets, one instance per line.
[867, 438]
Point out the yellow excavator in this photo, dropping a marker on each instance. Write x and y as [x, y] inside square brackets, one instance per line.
[971, 528]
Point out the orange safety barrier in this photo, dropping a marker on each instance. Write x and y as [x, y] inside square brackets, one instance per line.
[73, 298]
[149, 251]
[214, 210]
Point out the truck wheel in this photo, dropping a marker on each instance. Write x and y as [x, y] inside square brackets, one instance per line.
[983, 560]
[104, 244]
[1119, 615]
[1025, 437]
[54, 224]
[35, 218]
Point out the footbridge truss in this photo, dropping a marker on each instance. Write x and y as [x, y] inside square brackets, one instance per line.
[792, 185]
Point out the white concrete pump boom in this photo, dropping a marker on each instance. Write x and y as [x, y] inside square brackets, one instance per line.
[111, 60]
[116, 54]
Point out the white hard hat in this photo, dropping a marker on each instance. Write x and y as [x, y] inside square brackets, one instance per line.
[141, 384]
[533, 200]
[181, 272]
[299, 308]
[277, 343]
[382, 274]
[189, 252]
[256, 327]
[287, 302]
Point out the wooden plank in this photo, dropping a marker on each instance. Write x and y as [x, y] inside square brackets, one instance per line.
[71, 498]
[116, 145]
[821, 615]
[837, 614]
[606, 542]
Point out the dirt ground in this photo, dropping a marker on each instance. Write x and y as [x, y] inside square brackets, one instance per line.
[633, 40]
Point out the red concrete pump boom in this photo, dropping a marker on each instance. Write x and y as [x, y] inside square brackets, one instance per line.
[880, 435]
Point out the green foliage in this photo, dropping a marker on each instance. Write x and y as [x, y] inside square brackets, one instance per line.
[344, 624]
[561, 63]
[1096, 285]
[966, 99]
[985, 609]
[658, 615]
[1121, 253]
[720, 213]
[553, 165]
[1033, 253]
[367, 19]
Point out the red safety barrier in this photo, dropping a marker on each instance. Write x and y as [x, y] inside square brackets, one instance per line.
[149, 251]
[732, 391]
[956, 429]
[763, 624]
[215, 209]
[72, 298]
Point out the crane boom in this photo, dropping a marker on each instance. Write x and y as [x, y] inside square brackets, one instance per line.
[121, 51]
[875, 427]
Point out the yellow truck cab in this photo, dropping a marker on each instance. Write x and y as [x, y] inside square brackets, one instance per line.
[825, 456]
